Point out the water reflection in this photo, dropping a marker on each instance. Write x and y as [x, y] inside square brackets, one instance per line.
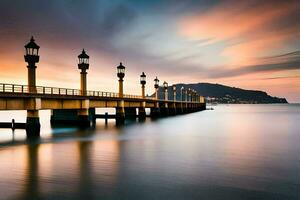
[32, 182]
[85, 185]
[197, 156]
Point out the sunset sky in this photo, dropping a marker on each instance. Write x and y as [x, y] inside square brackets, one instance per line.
[247, 44]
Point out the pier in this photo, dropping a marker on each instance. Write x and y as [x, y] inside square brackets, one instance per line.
[78, 105]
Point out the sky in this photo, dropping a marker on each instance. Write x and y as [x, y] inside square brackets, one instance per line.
[248, 44]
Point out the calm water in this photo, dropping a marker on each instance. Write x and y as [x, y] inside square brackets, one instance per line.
[233, 152]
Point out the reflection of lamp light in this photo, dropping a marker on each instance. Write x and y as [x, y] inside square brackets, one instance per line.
[109, 163]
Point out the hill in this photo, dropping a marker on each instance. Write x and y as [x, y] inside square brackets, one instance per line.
[225, 94]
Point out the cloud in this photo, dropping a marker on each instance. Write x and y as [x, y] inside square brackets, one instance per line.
[232, 19]
[289, 61]
[249, 28]
[180, 41]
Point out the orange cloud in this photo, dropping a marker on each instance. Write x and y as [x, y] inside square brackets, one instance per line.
[245, 53]
[234, 19]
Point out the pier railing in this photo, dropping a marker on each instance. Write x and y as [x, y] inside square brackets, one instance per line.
[25, 89]
[43, 90]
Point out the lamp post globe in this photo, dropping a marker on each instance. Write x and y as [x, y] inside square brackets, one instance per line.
[174, 87]
[174, 92]
[156, 83]
[165, 84]
[83, 65]
[143, 79]
[121, 71]
[31, 52]
[83, 61]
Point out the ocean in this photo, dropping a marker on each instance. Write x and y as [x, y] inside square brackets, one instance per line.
[231, 152]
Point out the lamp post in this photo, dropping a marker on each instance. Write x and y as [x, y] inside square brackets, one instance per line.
[173, 108]
[32, 57]
[120, 110]
[142, 112]
[181, 98]
[181, 93]
[193, 95]
[165, 84]
[121, 75]
[155, 112]
[186, 95]
[83, 113]
[174, 92]
[165, 108]
[83, 65]
[143, 83]
[156, 86]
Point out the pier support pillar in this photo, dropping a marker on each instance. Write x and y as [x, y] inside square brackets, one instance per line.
[172, 109]
[83, 118]
[83, 114]
[155, 112]
[142, 111]
[33, 125]
[92, 115]
[181, 108]
[120, 113]
[164, 111]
